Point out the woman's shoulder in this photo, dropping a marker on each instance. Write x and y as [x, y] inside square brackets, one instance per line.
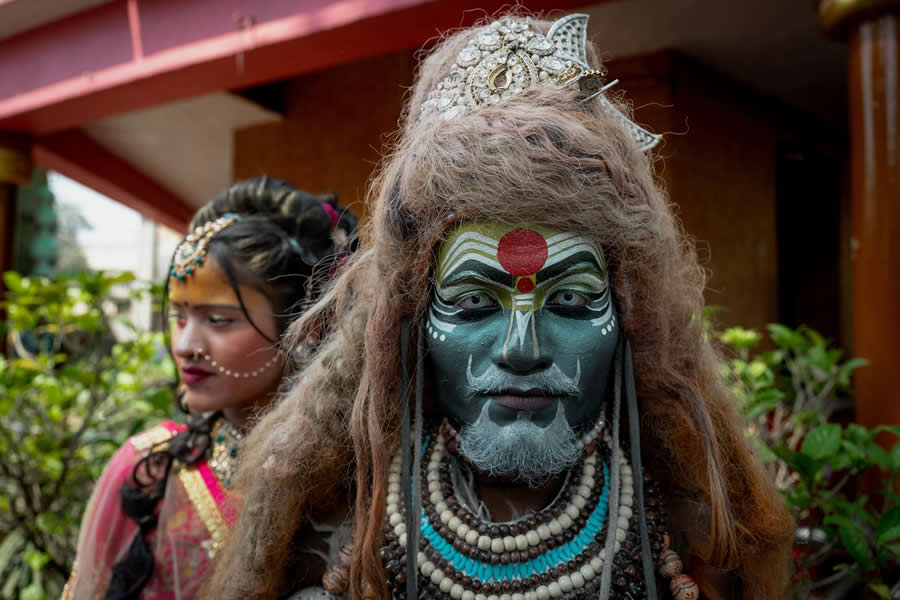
[163, 432]
[121, 465]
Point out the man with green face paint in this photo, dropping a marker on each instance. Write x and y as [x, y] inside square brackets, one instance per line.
[512, 397]
[521, 338]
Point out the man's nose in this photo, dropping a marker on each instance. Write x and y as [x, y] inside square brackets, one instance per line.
[522, 351]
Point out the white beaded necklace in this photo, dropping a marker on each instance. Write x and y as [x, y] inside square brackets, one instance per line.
[532, 538]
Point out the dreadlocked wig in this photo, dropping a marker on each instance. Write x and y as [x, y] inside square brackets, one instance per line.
[544, 157]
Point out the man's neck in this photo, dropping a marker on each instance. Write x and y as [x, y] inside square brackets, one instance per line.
[507, 500]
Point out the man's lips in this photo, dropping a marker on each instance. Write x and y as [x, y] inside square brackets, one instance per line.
[515, 399]
[194, 375]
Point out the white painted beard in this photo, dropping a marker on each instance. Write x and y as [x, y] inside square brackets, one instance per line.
[523, 450]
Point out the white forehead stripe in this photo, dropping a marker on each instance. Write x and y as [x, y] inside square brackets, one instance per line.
[559, 238]
[468, 242]
[566, 249]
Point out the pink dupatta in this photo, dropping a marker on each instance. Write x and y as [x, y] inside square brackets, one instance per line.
[194, 516]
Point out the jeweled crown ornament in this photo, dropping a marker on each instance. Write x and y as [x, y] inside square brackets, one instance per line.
[191, 252]
[508, 57]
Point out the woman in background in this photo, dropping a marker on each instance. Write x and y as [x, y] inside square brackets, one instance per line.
[159, 512]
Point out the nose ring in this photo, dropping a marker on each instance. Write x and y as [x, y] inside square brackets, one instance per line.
[198, 352]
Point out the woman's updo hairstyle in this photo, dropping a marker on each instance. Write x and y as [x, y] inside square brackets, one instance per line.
[282, 237]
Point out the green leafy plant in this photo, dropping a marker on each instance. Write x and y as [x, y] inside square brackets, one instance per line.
[847, 539]
[77, 380]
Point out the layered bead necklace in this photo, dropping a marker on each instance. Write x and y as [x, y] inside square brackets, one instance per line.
[556, 552]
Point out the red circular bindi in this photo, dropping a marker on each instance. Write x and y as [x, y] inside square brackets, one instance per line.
[522, 252]
[525, 285]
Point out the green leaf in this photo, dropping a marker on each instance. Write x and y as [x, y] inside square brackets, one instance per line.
[32, 591]
[12, 581]
[161, 400]
[740, 338]
[786, 337]
[895, 457]
[13, 282]
[813, 336]
[26, 364]
[880, 457]
[857, 433]
[10, 548]
[798, 461]
[881, 590]
[36, 559]
[854, 542]
[127, 381]
[888, 528]
[843, 522]
[892, 429]
[764, 453]
[846, 370]
[822, 442]
[52, 466]
[889, 535]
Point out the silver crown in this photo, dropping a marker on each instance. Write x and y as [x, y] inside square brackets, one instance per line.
[508, 57]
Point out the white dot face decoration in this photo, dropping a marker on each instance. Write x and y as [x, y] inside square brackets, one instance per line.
[521, 327]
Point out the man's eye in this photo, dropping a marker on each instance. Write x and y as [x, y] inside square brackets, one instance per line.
[476, 301]
[568, 298]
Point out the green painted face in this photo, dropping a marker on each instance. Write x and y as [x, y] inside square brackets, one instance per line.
[522, 327]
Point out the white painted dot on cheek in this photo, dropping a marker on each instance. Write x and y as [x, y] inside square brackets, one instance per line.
[443, 337]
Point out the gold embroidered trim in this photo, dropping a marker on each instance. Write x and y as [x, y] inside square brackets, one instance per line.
[151, 437]
[207, 508]
[67, 590]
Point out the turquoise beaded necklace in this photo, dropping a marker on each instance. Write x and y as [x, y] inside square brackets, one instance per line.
[462, 557]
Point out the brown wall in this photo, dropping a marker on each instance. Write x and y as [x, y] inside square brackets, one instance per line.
[718, 163]
[718, 159]
[334, 128]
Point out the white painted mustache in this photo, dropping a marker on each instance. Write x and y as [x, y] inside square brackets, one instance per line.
[551, 380]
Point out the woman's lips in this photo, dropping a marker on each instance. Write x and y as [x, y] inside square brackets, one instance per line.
[191, 375]
[523, 400]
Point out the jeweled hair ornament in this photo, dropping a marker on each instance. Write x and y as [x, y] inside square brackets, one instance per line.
[508, 57]
[191, 252]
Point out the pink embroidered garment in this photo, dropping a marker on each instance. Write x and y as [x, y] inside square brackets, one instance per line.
[193, 518]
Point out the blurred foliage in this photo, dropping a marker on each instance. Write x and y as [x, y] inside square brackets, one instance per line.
[70, 395]
[846, 540]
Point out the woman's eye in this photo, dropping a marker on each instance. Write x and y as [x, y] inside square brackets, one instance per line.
[568, 298]
[217, 320]
[476, 301]
[176, 317]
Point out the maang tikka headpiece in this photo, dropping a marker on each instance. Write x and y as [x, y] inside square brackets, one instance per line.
[508, 57]
[191, 252]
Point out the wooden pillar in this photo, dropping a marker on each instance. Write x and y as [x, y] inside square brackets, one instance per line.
[872, 28]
